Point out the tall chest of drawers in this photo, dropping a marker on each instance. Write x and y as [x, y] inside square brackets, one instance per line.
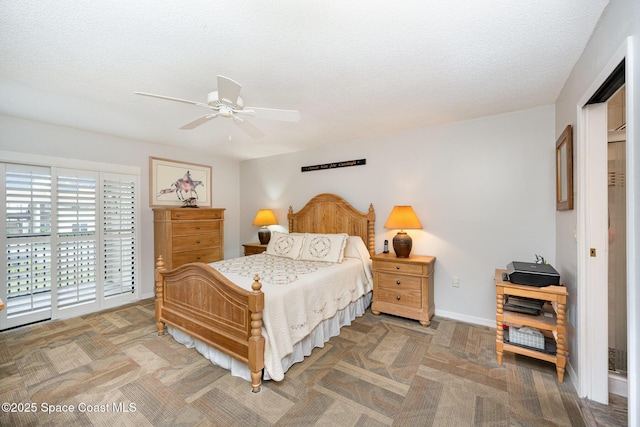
[183, 235]
[403, 286]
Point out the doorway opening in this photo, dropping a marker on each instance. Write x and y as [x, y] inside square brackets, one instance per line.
[617, 244]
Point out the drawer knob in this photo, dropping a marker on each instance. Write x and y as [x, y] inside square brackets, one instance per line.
[398, 282]
[197, 227]
[198, 241]
[397, 267]
[198, 257]
[398, 297]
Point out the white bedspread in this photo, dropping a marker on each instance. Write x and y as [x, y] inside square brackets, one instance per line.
[299, 295]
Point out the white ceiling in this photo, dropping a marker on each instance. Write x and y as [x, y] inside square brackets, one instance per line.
[354, 69]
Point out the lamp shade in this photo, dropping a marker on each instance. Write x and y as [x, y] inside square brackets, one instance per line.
[265, 217]
[403, 217]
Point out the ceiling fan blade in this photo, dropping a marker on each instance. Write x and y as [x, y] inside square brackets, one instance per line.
[248, 127]
[228, 90]
[272, 114]
[200, 121]
[185, 101]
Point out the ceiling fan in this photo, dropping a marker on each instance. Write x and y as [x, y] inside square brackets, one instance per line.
[226, 102]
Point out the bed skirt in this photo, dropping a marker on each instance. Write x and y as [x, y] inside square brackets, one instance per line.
[317, 338]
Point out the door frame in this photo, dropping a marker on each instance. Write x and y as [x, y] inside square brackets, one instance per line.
[592, 331]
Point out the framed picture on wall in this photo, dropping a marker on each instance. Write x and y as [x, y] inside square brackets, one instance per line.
[564, 170]
[173, 183]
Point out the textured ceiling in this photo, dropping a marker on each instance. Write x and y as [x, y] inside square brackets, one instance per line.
[354, 69]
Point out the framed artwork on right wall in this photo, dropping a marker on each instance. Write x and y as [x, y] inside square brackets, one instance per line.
[564, 170]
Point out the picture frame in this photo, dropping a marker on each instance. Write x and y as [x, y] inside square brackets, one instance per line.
[175, 183]
[564, 170]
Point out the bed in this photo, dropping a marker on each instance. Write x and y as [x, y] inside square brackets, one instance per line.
[220, 310]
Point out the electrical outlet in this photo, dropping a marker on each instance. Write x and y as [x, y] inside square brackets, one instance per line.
[455, 282]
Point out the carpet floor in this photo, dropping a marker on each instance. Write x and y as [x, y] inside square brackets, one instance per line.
[112, 369]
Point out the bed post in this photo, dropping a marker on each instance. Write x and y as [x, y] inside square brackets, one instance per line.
[256, 341]
[371, 219]
[159, 294]
[290, 217]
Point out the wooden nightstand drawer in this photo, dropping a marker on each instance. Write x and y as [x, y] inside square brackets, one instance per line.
[401, 298]
[398, 267]
[254, 248]
[399, 281]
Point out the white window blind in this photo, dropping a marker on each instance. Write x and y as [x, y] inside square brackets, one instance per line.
[119, 231]
[76, 217]
[28, 241]
[71, 242]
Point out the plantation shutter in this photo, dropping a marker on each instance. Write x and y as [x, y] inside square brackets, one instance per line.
[27, 290]
[71, 242]
[119, 209]
[76, 237]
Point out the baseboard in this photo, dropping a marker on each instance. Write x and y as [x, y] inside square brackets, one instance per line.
[467, 319]
[618, 384]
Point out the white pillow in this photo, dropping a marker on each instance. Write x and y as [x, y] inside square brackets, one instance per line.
[324, 247]
[356, 248]
[286, 245]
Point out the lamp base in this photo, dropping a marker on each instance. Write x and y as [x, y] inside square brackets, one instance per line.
[264, 235]
[402, 244]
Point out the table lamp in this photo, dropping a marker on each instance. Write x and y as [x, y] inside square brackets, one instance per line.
[263, 218]
[402, 217]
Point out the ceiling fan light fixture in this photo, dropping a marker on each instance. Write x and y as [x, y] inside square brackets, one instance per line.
[214, 100]
[225, 111]
[226, 102]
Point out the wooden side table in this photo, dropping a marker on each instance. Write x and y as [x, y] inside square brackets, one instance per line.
[403, 286]
[254, 248]
[551, 321]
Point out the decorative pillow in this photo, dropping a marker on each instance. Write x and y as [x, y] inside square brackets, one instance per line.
[286, 245]
[324, 247]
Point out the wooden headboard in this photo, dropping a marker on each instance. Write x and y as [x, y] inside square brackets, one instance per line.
[328, 213]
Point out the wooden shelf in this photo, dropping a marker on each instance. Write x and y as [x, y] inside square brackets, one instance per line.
[551, 321]
[542, 321]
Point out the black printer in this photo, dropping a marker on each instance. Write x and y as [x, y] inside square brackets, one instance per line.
[531, 274]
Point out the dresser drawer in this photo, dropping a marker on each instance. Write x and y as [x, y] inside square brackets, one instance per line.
[195, 227]
[196, 214]
[191, 242]
[398, 282]
[200, 255]
[403, 298]
[400, 267]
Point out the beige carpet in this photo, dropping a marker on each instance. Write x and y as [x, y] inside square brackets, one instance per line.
[112, 369]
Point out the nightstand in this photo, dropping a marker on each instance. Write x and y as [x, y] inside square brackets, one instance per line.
[403, 286]
[254, 248]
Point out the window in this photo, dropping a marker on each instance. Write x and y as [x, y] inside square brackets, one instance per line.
[71, 242]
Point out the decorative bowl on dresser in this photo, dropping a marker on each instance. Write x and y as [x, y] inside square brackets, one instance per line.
[188, 235]
[403, 286]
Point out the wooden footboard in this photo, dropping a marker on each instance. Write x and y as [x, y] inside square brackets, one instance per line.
[201, 302]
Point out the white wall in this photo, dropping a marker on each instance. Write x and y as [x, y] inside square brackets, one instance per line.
[483, 189]
[619, 23]
[25, 136]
